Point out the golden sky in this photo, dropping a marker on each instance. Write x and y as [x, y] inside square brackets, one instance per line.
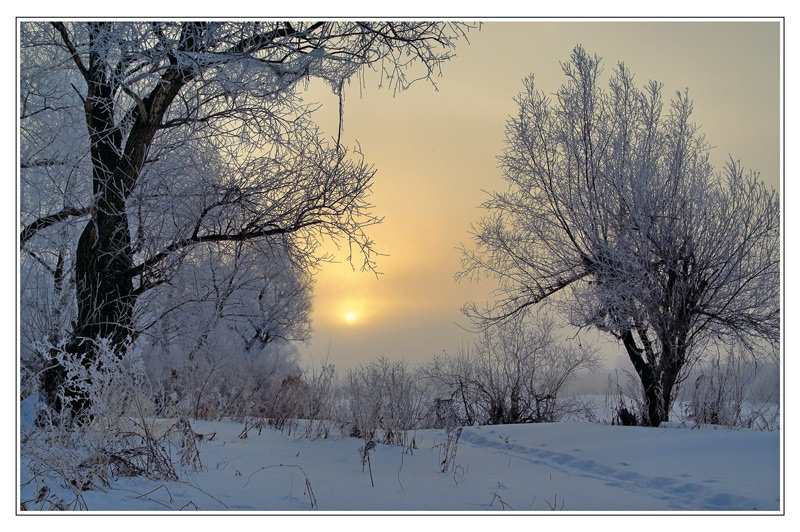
[435, 153]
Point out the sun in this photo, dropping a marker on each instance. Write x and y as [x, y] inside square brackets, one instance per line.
[350, 317]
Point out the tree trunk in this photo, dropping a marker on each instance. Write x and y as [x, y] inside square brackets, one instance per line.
[103, 258]
[105, 305]
[105, 294]
[653, 396]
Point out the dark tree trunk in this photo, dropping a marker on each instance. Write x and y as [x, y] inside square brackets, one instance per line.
[105, 305]
[658, 383]
[104, 291]
[653, 396]
[104, 258]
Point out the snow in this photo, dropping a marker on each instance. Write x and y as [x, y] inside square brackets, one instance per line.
[570, 467]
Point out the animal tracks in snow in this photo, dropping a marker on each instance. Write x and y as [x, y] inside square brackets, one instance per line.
[683, 490]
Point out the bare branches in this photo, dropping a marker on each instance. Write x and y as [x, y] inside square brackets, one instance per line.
[514, 372]
[196, 239]
[46, 221]
[62, 30]
[618, 202]
[190, 137]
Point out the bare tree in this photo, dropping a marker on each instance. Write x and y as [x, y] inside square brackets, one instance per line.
[145, 142]
[616, 216]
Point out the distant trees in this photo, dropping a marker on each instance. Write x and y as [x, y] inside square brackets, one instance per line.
[616, 217]
[166, 165]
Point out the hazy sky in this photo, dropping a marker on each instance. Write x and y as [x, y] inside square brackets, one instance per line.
[436, 153]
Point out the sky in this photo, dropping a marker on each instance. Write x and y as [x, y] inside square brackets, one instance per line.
[435, 151]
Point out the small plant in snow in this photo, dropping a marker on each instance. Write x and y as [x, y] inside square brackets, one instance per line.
[625, 405]
[450, 448]
[459, 474]
[190, 454]
[721, 393]
[364, 452]
[250, 424]
[47, 501]
[555, 507]
[499, 499]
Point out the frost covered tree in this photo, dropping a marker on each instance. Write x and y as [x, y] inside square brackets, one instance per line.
[234, 311]
[148, 149]
[616, 217]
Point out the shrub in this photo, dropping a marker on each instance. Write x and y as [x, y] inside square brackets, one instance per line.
[113, 436]
[384, 401]
[514, 372]
[724, 394]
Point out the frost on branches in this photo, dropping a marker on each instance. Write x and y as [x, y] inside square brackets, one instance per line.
[615, 215]
[171, 170]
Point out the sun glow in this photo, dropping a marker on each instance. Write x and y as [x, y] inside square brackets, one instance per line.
[350, 317]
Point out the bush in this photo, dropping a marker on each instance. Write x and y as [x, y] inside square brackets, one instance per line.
[384, 401]
[113, 436]
[514, 373]
[625, 405]
[219, 380]
[724, 394]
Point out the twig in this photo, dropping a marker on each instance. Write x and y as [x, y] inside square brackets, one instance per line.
[364, 452]
[369, 464]
[401, 467]
[459, 473]
[502, 502]
[156, 489]
[206, 493]
[311, 496]
[158, 502]
[555, 502]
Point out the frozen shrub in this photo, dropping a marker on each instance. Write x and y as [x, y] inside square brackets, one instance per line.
[449, 448]
[384, 401]
[322, 405]
[113, 435]
[306, 403]
[220, 378]
[514, 372]
[723, 393]
[286, 407]
[625, 405]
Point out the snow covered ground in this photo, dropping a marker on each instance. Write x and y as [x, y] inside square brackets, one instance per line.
[567, 467]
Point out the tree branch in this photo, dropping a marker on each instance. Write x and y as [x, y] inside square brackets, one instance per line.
[59, 26]
[46, 221]
[195, 239]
